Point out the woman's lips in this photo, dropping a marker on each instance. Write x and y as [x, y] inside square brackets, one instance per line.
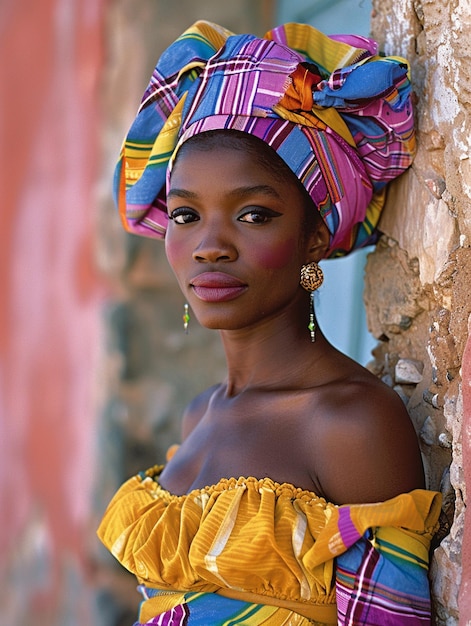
[217, 287]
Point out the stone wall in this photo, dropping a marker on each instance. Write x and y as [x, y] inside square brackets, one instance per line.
[417, 286]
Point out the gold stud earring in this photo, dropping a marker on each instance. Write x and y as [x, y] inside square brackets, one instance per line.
[312, 276]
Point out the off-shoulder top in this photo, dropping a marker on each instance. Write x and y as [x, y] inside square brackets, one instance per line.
[269, 542]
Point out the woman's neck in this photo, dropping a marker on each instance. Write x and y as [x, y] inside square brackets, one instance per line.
[276, 354]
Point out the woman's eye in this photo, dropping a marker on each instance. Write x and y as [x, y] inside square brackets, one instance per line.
[183, 216]
[258, 216]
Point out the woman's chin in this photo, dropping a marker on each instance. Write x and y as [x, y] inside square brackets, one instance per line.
[220, 322]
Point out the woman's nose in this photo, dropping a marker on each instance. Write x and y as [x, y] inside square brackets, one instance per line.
[215, 246]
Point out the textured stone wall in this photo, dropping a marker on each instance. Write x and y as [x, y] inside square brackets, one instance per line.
[417, 287]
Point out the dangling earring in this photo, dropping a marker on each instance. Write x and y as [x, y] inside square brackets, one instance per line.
[186, 318]
[312, 278]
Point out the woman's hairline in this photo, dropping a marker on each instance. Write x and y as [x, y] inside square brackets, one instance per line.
[268, 157]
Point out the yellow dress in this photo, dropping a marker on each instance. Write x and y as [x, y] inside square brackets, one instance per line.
[271, 546]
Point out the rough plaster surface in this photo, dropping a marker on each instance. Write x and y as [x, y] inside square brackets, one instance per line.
[427, 223]
[465, 591]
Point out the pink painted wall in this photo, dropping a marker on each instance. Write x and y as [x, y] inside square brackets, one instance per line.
[465, 590]
[51, 57]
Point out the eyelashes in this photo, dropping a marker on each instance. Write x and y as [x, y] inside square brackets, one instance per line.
[258, 216]
[252, 215]
[183, 215]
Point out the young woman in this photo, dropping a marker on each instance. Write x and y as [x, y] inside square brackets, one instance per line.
[297, 493]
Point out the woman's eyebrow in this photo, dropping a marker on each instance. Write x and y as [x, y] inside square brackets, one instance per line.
[240, 192]
[248, 190]
[181, 193]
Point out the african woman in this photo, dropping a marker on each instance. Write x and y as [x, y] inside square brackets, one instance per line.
[297, 494]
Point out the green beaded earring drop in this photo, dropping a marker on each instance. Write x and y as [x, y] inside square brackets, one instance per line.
[312, 324]
[186, 318]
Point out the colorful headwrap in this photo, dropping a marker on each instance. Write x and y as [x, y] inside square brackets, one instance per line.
[338, 114]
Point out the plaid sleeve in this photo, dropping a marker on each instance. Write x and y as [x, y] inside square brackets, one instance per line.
[382, 580]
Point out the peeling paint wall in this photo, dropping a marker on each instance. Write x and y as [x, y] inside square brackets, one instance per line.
[424, 265]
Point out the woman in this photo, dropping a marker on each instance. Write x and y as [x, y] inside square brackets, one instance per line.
[297, 494]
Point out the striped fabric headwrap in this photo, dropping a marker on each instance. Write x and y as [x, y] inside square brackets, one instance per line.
[338, 114]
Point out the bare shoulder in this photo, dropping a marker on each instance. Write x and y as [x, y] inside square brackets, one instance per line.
[196, 409]
[367, 446]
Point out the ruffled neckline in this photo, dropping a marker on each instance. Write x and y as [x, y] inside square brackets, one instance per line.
[150, 480]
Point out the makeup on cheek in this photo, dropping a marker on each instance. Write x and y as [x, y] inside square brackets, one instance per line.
[275, 256]
[175, 250]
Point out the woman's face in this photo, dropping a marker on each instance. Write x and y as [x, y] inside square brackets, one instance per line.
[235, 238]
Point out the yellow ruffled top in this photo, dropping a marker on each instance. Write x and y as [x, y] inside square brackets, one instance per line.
[251, 539]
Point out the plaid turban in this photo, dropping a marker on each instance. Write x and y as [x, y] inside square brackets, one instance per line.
[339, 115]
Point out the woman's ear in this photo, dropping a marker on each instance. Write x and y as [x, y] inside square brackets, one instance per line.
[318, 242]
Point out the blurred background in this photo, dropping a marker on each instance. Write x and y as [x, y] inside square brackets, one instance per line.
[94, 366]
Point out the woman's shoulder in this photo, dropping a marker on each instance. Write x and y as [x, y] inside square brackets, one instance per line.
[358, 397]
[366, 444]
[351, 396]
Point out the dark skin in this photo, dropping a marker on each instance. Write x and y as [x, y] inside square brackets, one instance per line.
[291, 410]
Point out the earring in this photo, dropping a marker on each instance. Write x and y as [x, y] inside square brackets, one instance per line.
[312, 278]
[186, 318]
[312, 320]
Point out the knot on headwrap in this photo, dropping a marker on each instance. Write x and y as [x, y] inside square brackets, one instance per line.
[338, 114]
[298, 95]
